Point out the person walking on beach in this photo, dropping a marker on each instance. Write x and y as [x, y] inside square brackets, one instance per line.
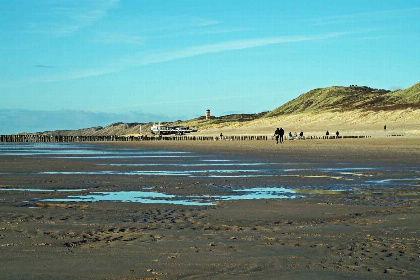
[221, 136]
[281, 135]
[337, 134]
[277, 134]
[301, 135]
[327, 134]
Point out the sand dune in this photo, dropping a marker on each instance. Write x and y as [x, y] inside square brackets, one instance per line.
[356, 122]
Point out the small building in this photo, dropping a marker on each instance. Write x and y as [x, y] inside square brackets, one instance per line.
[207, 114]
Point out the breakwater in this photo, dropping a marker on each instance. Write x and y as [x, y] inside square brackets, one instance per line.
[31, 138]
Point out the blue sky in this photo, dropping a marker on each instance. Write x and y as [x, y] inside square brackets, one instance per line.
[67, 64]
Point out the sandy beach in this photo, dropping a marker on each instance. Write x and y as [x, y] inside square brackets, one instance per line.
[351, 212]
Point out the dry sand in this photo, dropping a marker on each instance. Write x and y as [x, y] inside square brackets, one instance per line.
[321, 236]
[357, 122]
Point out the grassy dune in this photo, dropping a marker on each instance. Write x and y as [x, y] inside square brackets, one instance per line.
[352, 110]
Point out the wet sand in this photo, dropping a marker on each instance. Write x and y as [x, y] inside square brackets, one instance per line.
[324, 234]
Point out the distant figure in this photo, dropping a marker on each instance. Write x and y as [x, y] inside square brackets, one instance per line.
[337, 134]
[301, 135]
[290, 136]
[327, 134]
[281, 135]
[277, 134]
[384, 127]
[221, 136]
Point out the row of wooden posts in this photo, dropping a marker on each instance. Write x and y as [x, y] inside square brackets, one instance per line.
[22, 138]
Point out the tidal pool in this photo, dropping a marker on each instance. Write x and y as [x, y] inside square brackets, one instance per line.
[157, 197]
[259, 193]
[130, 196]
[68, 149]
[42, 190]
[145, 156]
[188, 164]
[187, 173]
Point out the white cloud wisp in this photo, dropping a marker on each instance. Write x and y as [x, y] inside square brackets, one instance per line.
[146, 58]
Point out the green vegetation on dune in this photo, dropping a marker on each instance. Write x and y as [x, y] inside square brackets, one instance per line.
[335, 98]
[338, 98]
[410, 95]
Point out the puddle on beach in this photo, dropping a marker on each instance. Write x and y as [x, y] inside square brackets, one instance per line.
[156, 197]
[260, 193]
[229, 176]
[31, 152]
[189, 173]
[152, 197]
[131, 196]
[24, 146]
[42, 190]
[189, 164]
[237, 194]
[391, 181]
[89, 150]
[126, 157]
[258, 170]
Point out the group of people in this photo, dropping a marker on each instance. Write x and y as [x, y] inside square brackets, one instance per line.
[279, 134]
[336, 133]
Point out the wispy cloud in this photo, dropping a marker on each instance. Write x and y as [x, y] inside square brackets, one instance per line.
[224, 30]
[203, 31]
[206, 22]
[190, 100]
[44, 66]
[362, 17]
[74, 75]
[67, 17]
[119, 38]
[229, 46]
[146, 58]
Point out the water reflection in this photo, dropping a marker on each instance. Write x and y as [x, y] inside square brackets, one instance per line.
[41, 149]
[156, 197]
[259, 193]
[42, 190]
[189, 164]
[392, 180]
[189, 173]
[145, 156]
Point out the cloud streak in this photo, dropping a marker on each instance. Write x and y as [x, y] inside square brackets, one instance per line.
[119, 38]
[44, 66]
[362, 17]
[184, 101]
[231, 46]
[72, 16]
[146, 58]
